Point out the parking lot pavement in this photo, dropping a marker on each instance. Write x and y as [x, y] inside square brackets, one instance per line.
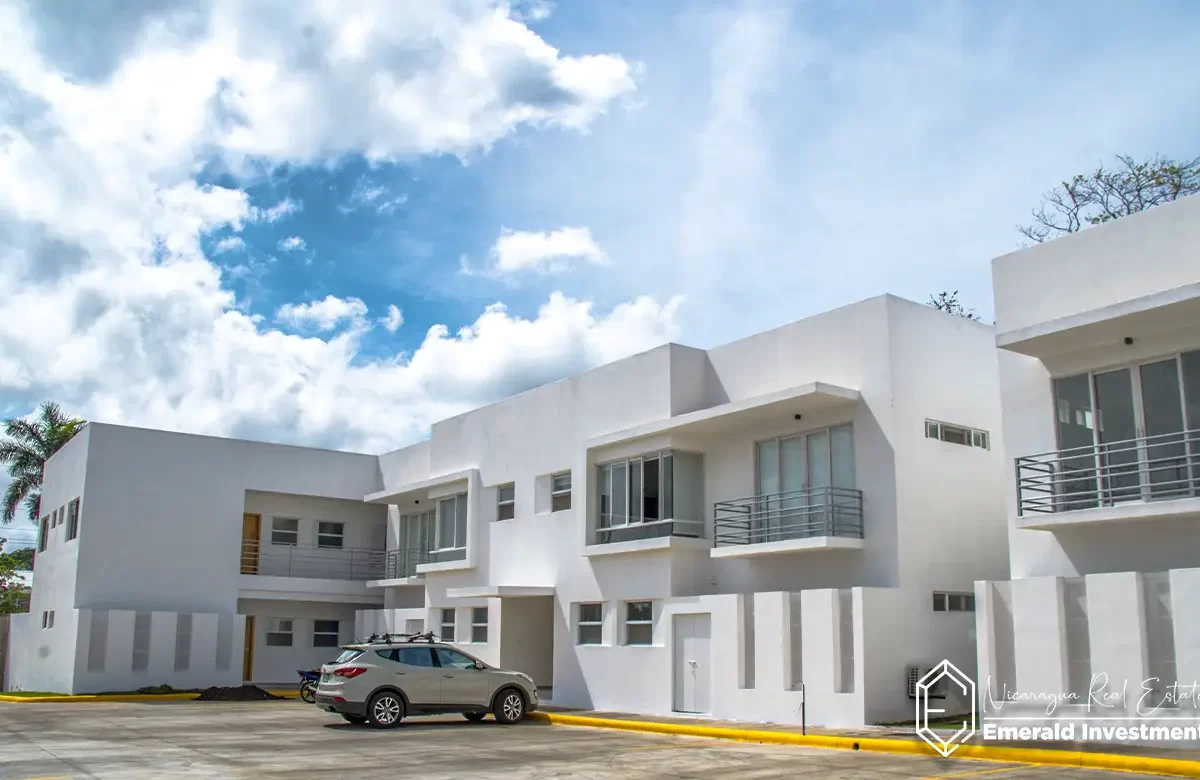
[291, 739]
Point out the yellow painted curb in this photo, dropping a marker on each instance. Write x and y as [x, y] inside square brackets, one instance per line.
[1079, 759]
[123, 697]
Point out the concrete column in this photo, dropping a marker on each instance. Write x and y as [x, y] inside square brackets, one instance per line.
[772, 653]
[818, 629]
[1185, 614]
[1040, 641]
[1117, 640]
[985, 643]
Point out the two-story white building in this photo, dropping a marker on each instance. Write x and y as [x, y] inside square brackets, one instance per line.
[693, 531]
[1099, 337]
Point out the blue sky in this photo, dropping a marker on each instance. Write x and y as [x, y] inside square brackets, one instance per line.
[209, 208]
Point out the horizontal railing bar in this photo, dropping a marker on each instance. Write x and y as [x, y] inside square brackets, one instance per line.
[1189, 436]
[789, 494]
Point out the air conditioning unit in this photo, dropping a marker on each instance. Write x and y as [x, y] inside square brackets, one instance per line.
[913, 675]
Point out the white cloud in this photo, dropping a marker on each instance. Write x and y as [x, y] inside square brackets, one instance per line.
[393, 320]
[366, 195]
[548, 252]
[229, 244]
[325, 314]
[102, 222]
[282, 209]
[291, 244]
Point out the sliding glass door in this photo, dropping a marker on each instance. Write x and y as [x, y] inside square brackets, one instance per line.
[795, 481]
[1129, 434]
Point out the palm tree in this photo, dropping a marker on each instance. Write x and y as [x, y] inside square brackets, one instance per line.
[29, 444]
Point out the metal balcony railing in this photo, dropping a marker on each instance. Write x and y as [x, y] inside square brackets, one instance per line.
[294, 560]
[796, 514]
[404, 563]
[626, 531]
[1148, 468]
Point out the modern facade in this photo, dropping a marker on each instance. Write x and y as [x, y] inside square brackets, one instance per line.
[1099, 337]
[800, 513]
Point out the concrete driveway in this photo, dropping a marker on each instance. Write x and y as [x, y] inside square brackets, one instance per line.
[291, 739]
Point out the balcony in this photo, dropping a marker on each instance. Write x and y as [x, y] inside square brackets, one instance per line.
[1149, 477]
[794, 521]
[294, 560]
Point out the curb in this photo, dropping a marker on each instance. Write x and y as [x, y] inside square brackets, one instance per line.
[122, 697]
[1077, 759]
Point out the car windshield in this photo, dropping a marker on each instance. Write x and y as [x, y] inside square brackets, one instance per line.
[347, 655]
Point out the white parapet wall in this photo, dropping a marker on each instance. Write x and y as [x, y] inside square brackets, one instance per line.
[1106, 645]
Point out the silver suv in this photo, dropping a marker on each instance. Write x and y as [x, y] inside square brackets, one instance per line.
[382, 680]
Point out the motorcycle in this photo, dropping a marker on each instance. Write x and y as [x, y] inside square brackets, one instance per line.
[308, 684]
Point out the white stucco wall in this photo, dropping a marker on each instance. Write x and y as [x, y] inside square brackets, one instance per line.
[169, 507]
[279, 664]
[47, 655]
[1150, 252]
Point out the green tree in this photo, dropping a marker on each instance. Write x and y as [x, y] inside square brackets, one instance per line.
[22, 558]
[1106, 194]
[14, 597]
[25, 450]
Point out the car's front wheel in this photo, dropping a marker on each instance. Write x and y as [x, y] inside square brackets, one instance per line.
[509, 706]
[385, 710]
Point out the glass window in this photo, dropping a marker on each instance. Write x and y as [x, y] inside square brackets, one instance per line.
[279, 632]
[346, 656]
[506, 502]
[931, 430]
[620, 493]
[955, 435]
[44, 534]
[325, 633]
[415, 656]
[73, 520]
[650, 490]
[447, 634]
[939, 602]
[591, 624]
[331, 534]
[452, 522]
[452, 659]
[285, 530]
[1190, 363]
[639, 622]
[560, 492]
[479, 625]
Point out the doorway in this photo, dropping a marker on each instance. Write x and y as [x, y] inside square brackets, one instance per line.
[251, 534]
[1123, 433]
[248, 651]
[798, 478]
[693, 675]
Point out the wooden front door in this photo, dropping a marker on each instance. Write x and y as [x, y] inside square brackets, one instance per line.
[251, 533]
[248, 653]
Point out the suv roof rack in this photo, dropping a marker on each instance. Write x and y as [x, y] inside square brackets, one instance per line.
[391, 639]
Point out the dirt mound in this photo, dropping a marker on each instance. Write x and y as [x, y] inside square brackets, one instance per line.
[239, 693]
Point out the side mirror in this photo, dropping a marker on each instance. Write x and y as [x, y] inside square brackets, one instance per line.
[480, 665]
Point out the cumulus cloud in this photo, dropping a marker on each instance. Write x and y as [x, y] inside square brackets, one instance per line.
[229, 244]
[393, 320]
[102, 222]
[547, 252]
[291, 244]
[325, 314]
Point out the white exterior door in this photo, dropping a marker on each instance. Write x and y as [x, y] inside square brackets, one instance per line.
[693, 674]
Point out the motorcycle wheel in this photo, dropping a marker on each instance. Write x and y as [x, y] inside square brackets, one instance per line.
[308, 693]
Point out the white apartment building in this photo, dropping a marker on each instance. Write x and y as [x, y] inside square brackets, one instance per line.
[713, 532]
[1099, 336]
